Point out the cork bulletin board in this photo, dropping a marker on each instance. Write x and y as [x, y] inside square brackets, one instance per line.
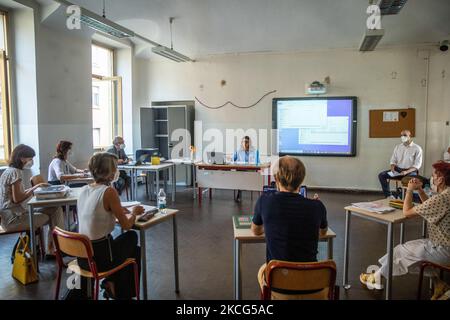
[388, 123]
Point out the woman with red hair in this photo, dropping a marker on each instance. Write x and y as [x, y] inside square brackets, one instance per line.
[436, 212]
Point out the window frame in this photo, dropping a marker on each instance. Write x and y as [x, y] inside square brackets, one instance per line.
[117, 124]
[6, 90]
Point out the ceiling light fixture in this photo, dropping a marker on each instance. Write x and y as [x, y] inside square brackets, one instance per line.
[170, 53]
[99, 23]
[389, 7]
[371, 39]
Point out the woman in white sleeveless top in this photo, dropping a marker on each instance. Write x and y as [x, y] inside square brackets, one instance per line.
[98, 208]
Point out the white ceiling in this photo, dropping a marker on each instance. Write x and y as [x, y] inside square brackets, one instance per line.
[203, 27]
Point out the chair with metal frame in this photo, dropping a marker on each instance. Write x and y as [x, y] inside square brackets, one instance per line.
[79, 246]
[286, 280]
[425, 264]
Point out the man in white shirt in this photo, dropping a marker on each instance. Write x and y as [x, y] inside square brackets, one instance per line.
[406, 160]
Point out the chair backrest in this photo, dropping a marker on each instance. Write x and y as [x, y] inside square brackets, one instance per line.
[300, 276]
[36, 180]
[73, 244]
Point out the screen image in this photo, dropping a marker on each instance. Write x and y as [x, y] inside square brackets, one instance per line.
[324, 126]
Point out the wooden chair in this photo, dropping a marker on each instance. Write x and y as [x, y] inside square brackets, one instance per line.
[79, 246]
[34, 180]
[425, 264]
[300, 280]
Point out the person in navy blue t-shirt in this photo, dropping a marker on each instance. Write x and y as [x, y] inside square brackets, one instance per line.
[291, 223]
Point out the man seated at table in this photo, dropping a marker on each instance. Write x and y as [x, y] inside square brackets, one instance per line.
[291, 223]
[118, 149]
[406, 160]
[247, 154]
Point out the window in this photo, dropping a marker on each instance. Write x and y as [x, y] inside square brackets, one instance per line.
[95, 97]
[5, 111]
[106, 98]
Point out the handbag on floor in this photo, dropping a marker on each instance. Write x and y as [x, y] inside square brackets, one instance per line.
[24, 269]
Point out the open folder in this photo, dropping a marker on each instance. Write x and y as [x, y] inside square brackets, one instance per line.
[149, 211]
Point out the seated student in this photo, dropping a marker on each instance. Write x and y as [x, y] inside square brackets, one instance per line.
[436, 248]
[118, 149]
[246, 154]
[406, 160]
[447, 155]
[13, 198]
[99, 207]
[291, 223]
[60, 170]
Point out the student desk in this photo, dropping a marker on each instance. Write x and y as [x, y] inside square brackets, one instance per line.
[389, 219]
[70, 199]
[187, 163]
[142, 227]
[133, 170]
[242, 236]
[247, 177]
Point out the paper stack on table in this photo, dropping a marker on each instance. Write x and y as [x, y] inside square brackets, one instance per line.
[394, 174]
[373, 207]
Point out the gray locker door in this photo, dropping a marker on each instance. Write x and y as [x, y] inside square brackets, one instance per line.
[177, 120]
[147, 130]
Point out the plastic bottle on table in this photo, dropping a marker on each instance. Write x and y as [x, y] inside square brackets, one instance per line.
[162, 201]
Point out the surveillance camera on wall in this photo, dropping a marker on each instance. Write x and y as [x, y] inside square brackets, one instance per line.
[443, 45]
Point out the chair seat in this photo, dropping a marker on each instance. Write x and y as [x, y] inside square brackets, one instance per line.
[73, 266]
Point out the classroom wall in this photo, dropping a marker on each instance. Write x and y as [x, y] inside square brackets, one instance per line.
[385, 78]
[23, 78]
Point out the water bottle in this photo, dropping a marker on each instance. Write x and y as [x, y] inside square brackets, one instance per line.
[162, 201]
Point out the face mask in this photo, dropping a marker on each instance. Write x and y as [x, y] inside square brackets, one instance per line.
[28, 165]
[434, 187]
[70, 153]
[116, 176]
[122, 146]
[404, 139]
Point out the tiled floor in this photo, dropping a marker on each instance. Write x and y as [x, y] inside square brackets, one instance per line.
[205, 236]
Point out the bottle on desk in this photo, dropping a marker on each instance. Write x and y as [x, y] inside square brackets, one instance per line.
[162, 201]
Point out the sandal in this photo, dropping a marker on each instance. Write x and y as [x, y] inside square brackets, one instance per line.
[368, 279]
[107, 292]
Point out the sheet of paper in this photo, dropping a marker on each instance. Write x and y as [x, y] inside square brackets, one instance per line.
[390, 116]
[127, 204]
[394, 174]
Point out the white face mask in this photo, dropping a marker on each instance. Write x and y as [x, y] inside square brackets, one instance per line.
[70, 153]
[116, 176]
[28, 165]
[404, 139]
[433, 186]
[122, 146]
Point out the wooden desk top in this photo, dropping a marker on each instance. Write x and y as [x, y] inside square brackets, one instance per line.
[232, 166]
[247, 235]
[395, 216]
[71, 197]
[157, 218]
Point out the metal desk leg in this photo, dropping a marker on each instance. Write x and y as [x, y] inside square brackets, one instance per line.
[67, 217]
[143, 263]
[330, 248]
[135, 184]
[174, 182]
[33, 236]
[345, 283]
[165, 177]
[402, 233]
[193, 180]
[175, 255]
[237, 270]
[157, 182]
[389, 250]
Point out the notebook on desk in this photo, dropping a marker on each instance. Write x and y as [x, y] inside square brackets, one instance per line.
[243, 221]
